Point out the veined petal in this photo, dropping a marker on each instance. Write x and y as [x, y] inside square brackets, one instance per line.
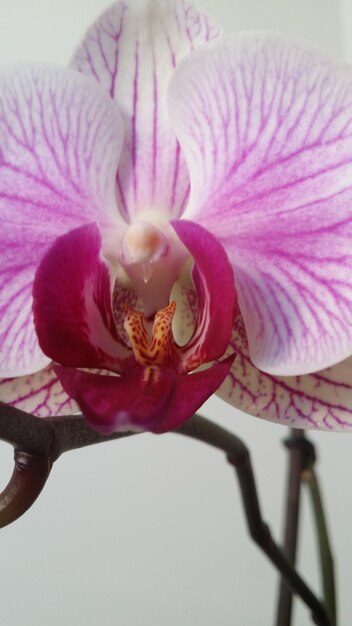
[266, 127]
[216, 298]
[60, 141]
[132, 51]
[113, 403]
[40, 394]
[321, 400]
[72, 296]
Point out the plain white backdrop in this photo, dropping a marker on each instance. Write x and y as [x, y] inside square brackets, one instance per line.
[150, 531]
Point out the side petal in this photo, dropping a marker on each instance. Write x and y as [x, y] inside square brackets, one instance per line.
[112, 403]
[132, 51]
[60, 141]
[216, 298]
[321, 400]
[40, 394]
[266, 127]
[72, 295]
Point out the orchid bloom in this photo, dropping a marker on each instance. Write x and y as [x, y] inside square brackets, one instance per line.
[178, 208]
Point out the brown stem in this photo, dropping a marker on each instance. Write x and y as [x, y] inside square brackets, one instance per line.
[29, 476]
[323, 541]
[239, 457]
[293, 493]
[50, 438]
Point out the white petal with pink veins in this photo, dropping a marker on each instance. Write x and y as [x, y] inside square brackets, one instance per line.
[132, 51]
[266, 128]
[40, 394]
[321, 400]
[60, 141]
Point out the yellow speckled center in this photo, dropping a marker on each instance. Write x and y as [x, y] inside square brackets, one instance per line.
[155, 347]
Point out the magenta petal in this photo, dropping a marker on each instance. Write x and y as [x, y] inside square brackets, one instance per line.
[112, 403]
[321, 400]
[132, 51]
[72, 304]
[216, 298]
[40, 394]
[60, 142]
[265, 126]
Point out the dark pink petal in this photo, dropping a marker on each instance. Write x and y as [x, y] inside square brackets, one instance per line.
[266, 127]
[132, 51]
[321, 400]
[60, 141]
[216, 296]
[112, 403]
[72, 295]
[40, 394]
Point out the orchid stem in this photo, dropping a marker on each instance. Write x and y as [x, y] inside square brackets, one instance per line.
[293, 493]
[239, 457]
[48, 439]
[301, 468]
[29, 476]
[326, 557]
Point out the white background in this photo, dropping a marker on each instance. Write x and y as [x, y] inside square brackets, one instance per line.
[150, 531]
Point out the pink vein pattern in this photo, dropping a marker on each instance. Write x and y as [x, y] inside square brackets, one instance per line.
[40, 394]
[60, 140]
[266, 128]
[320, 400]
[132, 51]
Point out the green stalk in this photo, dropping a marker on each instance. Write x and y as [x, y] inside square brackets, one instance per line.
[325, 554]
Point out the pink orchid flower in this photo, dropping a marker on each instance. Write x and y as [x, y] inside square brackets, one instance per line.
[177, 199]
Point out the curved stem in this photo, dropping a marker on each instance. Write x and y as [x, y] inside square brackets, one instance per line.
[29, 476]
[38, 443]
[50, 438]
[25, 431]
[238, 455]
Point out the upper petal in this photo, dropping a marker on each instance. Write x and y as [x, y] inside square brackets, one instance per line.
[132, 51]
[72, 296]
[266, 127]
[60, 141]
[216, 298]
[320, 400]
